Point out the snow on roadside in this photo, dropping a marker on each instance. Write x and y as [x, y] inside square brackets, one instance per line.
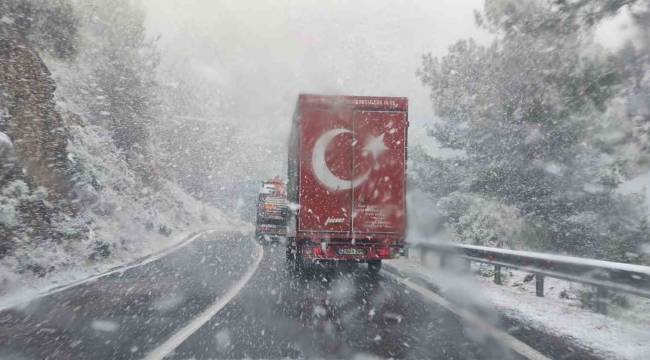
[120, 213]
[27, 287]
[624, 337]
[119, 210]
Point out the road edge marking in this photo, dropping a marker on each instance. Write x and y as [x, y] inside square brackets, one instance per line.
[183, 334]
[499, 335]
[148, 259]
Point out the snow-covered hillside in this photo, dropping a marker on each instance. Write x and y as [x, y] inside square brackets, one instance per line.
[81, 188]
[122, 218]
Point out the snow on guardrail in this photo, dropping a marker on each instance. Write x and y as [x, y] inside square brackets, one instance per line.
[604, 275]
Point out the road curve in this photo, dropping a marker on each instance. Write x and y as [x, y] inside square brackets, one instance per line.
[127, 314]
[334, 313]
[339, 312]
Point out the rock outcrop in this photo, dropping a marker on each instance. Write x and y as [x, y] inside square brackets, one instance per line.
[29, 118]
[33, 149]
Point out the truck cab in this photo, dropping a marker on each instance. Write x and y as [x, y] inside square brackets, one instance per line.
[272, 211]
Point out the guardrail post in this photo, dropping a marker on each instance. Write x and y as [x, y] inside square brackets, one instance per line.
[539, 285]
[632, 279]
[601, 300]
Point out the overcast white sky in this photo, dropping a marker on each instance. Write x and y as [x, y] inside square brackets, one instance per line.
[260, 55]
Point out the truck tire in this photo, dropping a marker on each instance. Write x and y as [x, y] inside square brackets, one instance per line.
[298, 263]
[295, 262]
[374, 267]
[348, 266]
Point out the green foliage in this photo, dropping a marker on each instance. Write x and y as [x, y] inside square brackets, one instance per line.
[588, 297]
[23, 213]
[437, 176]
[83, 172]
[100, 249]
[164, 230]
[536, 234]
[30, 262]
[478, 221]
[629, 117]
[14, 196]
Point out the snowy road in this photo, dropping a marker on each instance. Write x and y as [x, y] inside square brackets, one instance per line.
[338, 313]
[126, 315]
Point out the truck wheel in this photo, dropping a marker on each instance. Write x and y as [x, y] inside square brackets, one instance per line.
[374, 266]
[298, 264]
[295, 262]
[348, 266]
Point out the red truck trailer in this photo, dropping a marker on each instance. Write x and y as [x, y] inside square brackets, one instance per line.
[346, 179]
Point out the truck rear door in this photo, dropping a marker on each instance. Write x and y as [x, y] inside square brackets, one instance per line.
[379, 156]
[325, 170]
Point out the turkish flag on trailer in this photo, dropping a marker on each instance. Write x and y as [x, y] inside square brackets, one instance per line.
[325, 170]
[378, 201]
[352, 165]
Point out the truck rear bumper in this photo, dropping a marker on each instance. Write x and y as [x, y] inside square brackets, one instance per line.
[271, 238]
[346, 248]
[339, 253]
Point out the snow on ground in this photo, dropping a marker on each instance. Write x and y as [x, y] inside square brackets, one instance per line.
[121, 213]
[624, 335]
[26, 287]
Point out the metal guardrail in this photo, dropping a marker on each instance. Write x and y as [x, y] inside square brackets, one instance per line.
[603, 275]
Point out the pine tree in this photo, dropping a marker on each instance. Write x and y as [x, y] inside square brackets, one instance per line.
[51, 26]
[121, 83]
[526, 111]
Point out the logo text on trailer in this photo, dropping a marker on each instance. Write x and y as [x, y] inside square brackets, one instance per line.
[331, 220]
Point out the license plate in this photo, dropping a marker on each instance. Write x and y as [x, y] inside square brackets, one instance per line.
[347, 251]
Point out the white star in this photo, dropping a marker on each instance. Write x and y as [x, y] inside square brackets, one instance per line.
[376, 145]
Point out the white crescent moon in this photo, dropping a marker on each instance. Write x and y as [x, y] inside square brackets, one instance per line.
[323, 173]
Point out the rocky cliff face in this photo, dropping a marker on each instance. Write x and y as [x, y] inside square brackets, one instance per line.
[30, 120]
[70, 196]
[35, 172]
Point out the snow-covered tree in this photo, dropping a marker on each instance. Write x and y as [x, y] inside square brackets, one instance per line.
[117, 75]
[52, 26]
[527, 112]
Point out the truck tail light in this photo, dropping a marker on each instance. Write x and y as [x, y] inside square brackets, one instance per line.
[382, 252]
[318, 251]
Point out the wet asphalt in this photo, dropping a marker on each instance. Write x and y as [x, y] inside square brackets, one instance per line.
[125, 315]
[334, 312]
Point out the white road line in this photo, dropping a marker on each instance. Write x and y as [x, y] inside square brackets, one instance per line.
[501, 336]
[183, 334]
[150, 259]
